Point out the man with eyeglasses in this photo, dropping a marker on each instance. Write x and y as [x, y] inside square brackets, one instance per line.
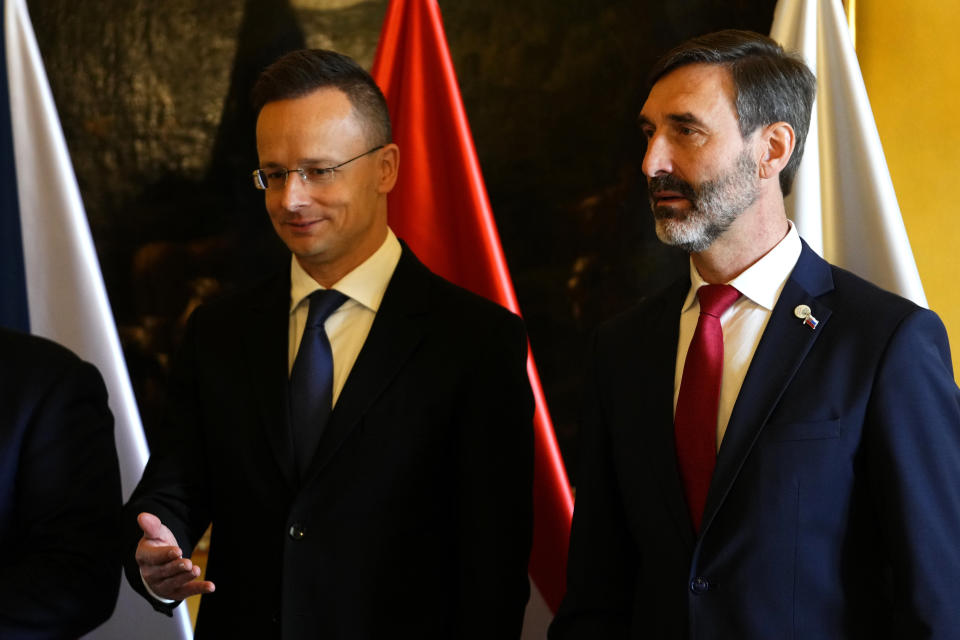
[357, 429]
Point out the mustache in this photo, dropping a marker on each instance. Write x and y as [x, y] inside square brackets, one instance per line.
[669, 182]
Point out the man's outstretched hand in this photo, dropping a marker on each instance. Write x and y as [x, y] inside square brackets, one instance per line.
[164, 569]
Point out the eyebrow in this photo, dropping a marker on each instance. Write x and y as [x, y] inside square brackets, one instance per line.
[685, 118]
[303, 162]
[676, 118]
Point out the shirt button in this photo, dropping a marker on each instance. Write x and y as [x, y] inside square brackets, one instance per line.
[699, 585]
[297, 531]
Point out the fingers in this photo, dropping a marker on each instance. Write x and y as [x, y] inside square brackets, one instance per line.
[171, 591]
[180, 568]
[149, 554]
[176, 580]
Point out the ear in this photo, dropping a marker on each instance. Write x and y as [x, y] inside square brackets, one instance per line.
[388, 160]
[777, 143]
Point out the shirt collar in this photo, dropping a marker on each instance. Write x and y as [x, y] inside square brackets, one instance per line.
[763, 281]
[366, 284]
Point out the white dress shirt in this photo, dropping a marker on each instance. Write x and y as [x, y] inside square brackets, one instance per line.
[347, 327]
[743, 323]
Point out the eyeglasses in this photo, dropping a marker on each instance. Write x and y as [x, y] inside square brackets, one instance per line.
[276, 178]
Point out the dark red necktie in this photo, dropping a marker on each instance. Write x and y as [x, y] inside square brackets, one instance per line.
[695, 420]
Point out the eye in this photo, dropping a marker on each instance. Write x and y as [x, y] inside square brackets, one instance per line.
[317, 174]
[686, 131]
[274, 174]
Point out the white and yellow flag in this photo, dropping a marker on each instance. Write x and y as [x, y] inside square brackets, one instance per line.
[843, 201]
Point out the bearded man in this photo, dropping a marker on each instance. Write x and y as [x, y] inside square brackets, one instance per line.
[771, 447]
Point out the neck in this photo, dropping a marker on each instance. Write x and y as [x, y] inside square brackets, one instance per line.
[749, 238]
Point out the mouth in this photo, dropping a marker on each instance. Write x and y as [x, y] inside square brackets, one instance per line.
[668, 197]
[301, 225]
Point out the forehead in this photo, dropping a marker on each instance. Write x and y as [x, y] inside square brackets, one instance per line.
[324, 120]
[705, 91]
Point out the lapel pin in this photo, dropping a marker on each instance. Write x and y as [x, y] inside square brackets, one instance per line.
[802, 311]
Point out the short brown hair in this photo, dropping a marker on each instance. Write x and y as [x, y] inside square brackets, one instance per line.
[304, 71]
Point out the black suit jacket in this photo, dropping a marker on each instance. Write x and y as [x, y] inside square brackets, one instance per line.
[59, 493]
[414, 519]
[834, 509]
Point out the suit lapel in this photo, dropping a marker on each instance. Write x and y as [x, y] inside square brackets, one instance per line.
[782, 348]
[266, 343]
[398, 328]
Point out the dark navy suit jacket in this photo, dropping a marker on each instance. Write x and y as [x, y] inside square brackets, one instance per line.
[415, 516]
[834, 509]
[59, 493]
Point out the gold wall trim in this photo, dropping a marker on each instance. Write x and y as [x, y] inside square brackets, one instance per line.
[850, 6]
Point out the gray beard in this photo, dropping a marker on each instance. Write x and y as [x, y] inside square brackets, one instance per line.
[714, 205]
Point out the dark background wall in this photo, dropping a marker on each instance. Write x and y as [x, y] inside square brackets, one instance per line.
[152, 98]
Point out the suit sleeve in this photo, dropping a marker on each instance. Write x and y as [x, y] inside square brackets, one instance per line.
[602, 563]
[496, 487]
[913, 448]
[59, 577]
[174, 483]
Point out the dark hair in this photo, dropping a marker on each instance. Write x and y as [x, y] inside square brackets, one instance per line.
[302, 72]
[771, 84]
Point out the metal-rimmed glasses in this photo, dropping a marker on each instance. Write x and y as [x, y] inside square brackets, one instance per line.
[276, 177]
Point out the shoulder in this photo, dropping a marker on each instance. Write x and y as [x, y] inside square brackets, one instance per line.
[649, 309]
[850, 297]
[870, 314]
[412, 279]
[852, 291]
[28, 361]
[20, 348]
[44, 383]
[869, 324]
[271, 292]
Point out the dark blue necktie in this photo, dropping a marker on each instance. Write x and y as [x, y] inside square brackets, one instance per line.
[311, 380]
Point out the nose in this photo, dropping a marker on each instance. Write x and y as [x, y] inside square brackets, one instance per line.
[293, 195]
[656, 159]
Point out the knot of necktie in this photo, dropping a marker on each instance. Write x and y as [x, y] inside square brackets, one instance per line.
[716, 298]
[323, 302]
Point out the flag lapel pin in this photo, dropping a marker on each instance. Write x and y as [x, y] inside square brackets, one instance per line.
[802, 311]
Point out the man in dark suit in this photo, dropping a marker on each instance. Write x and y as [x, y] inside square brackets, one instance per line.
[406, 510]
[59, 493]
[787, 467]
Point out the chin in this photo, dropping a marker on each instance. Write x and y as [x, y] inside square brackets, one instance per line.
[689, 238]
[307, 249]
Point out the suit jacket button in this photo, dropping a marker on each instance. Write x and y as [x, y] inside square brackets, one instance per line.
[297, 531]
[699, 585]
